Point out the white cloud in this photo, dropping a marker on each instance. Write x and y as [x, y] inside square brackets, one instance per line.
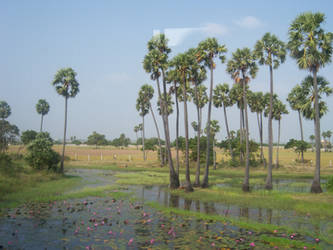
[249, 22]
[177, 35]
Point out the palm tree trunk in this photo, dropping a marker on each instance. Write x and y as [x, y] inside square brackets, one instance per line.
[269, 185]
[41, 123]
[246, 182]
[301, 127]
[197, 174]
[188, 187]
[240, 133]
[64, 142]
[158, 134]
[315, 187]
[278, 144]
[136, 133]
[214, 154]
[143, 137]
[173, 175]
[228, 132]
[205, 179]
[177, 128]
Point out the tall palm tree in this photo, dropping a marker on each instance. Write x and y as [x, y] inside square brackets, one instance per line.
[181, 63]
[296, 101]
[241, 67]
[206, 52]
[200, 99]
[221, 98]
[236, 95]
[173, 77]
[279, 109]
[67, 86]
[42, 108]
[323, 88]
[142, 105]
[215, 128]
[136, 130]
[147, 95]
[257, 104]
[197, 74]
[272, 52]
[156, 63]
[312, 48]
[5, 110]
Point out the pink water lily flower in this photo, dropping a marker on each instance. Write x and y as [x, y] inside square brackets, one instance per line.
[152, 241]
[130, 241]
[252, 244]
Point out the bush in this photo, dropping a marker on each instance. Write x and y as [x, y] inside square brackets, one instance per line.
[5, 162]
[40, 153]
[329, 184]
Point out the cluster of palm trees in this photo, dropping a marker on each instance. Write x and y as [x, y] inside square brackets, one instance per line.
[308, 43]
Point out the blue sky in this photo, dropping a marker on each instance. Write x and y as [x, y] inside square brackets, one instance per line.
[105, 43]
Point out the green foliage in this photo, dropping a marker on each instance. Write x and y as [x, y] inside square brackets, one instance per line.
[299, 146]
[329, 184]
[239, 148]
[8, 134]
[96, 139]
[5, 163]
[40, 153]
[42, 107]
[28, 136]
[5, 110]
[66, 83]
[121, 141]
[76, 142]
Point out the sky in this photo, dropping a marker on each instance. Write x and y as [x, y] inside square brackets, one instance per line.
[105, 43]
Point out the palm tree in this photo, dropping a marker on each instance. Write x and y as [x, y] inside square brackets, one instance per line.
[312, 139]
[200, 99]
[296, 101]
[206, 52]
[312, 48]
[42, 108]
[257, 104]
[329, 135]
[147, 95]
[241, 67]
[136, 130]
[197, 74]
[272, 52]
[142, 105]
[323, 88]
[173, 77]
[5, 110]
[67, 86]
[236, 95]
[279, 109]
[182, 63]
[221, 98]
[156, 63]
[215, 128]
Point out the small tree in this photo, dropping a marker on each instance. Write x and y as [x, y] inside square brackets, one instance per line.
[42, 108]
[299, 146]
[96, 139]
[40, 154]
[28, 136]
[8, 134]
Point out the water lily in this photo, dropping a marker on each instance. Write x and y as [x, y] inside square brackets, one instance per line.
[152, 241]
[317, 240]
[249, 232]
[213, 244]
[275, 231]
[252, 244]
[130, 241]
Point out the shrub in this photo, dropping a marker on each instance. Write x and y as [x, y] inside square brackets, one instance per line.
[329, 184]
[40, 153]
[5, 162]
